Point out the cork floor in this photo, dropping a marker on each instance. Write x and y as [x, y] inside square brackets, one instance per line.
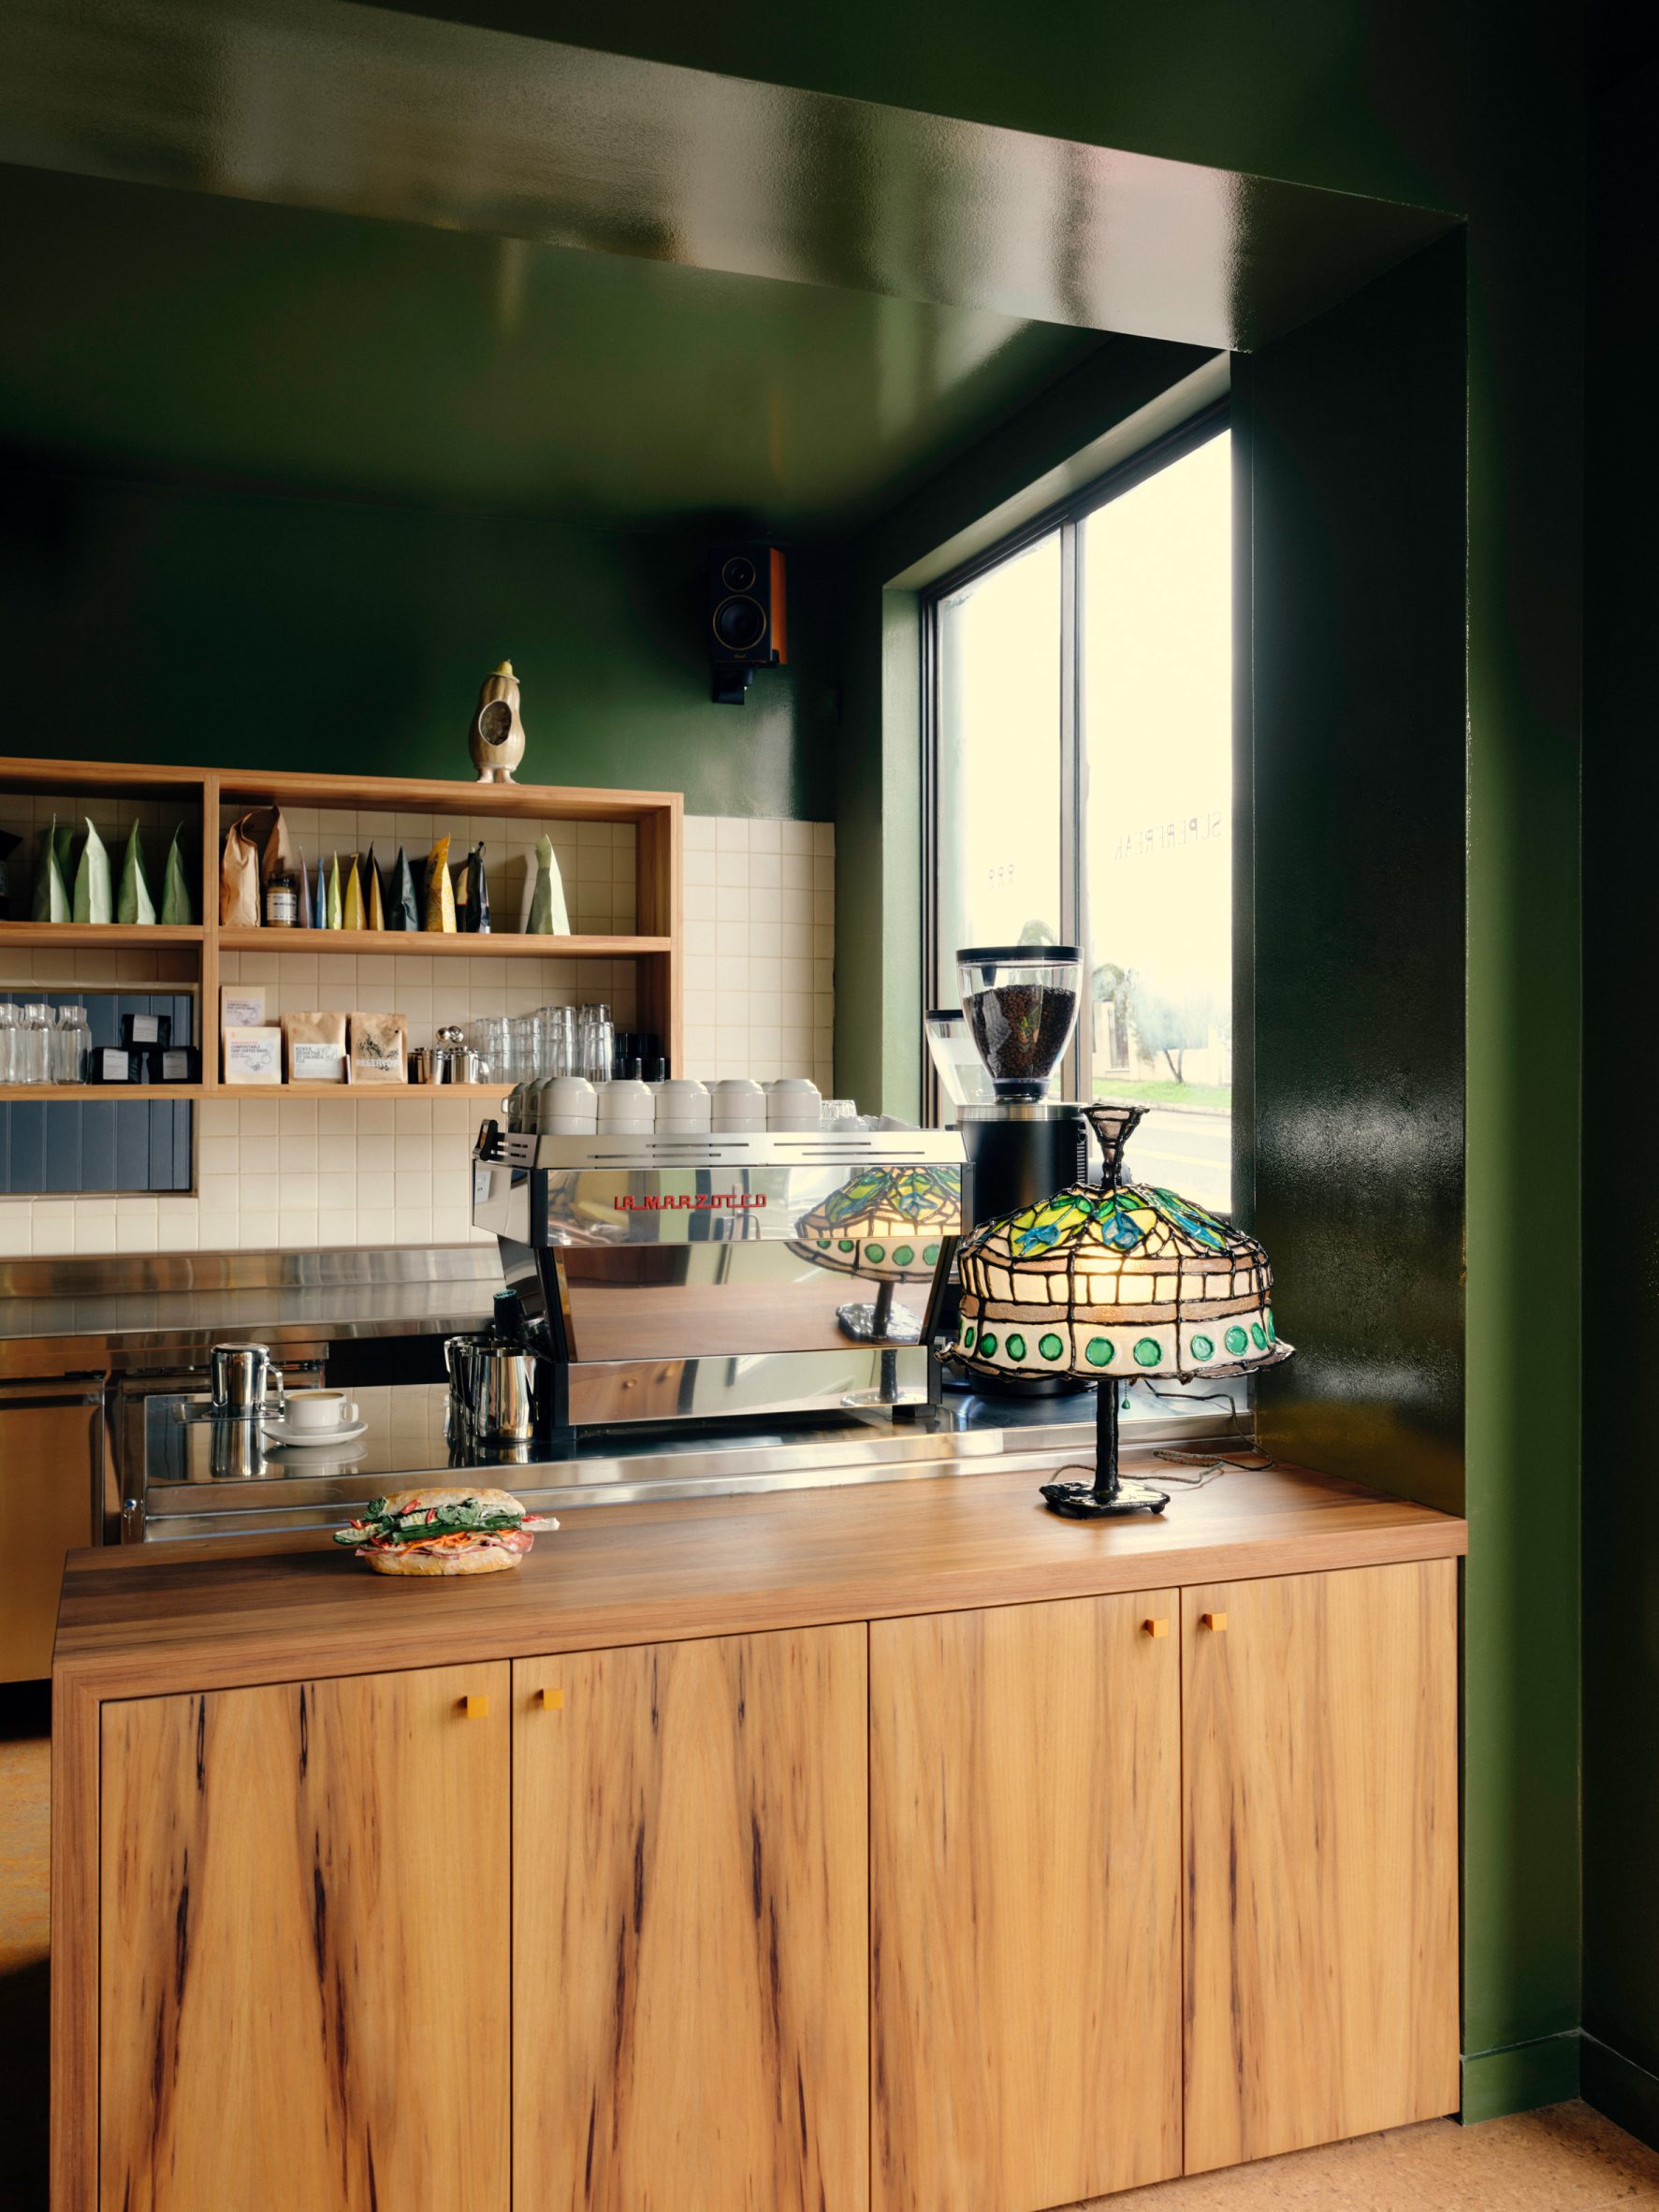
[1568, 2158]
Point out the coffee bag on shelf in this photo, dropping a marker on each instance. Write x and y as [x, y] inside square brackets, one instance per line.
[253, 1055]
[440, 914]
[94, 899]
[132, 902]
[313, 1047]
[177, 905]
[51, 901]
[379, 1048]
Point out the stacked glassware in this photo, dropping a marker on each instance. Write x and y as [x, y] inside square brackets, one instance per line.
[555, 1044]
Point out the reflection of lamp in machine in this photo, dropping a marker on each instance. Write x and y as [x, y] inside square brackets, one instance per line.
[885, 1226]
[1108, 1281]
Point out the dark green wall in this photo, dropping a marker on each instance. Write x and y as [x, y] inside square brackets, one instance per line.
[1478, 109]
[143, 622]
[1470, 107]
[1620, 1074]
[1356, 649]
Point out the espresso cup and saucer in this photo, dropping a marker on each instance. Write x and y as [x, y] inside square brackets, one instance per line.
[315, 1417]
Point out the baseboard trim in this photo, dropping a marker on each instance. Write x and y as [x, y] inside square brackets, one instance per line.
[1521, 2077]
[1617, 2086]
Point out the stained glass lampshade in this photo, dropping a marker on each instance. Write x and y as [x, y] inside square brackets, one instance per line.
[1110, 1281]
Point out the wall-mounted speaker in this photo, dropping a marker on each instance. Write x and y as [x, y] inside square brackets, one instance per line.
[747, 627]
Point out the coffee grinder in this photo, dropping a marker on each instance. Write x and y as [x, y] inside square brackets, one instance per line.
[995, 1060]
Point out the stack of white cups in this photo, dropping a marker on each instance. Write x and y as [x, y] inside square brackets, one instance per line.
[682, 1107]
[566, 1106]
[626, 1108]
[739, 1106]
[793, 1103]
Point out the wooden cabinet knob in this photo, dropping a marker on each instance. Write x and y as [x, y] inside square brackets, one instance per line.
[475, 1708]
[1215, 1621]
[1156, 1628]
[552, 1700]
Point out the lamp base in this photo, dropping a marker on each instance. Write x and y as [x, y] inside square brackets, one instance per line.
[1081, 1501]
[1109, 1494]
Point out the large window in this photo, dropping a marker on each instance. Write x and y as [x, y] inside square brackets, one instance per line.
[1082, 787]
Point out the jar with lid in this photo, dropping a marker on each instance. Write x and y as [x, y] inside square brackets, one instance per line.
[282, 899]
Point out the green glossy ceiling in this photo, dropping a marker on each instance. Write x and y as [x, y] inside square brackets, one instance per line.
[178, 331]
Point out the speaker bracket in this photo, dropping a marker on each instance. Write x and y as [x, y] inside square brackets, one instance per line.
[731, 680]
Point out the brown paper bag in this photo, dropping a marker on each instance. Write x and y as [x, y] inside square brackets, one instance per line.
[379, 1048]
[314, 1047]
[239, 878]
[255, 846]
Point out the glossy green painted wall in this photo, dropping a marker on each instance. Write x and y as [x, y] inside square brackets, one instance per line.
[1472, 107]
[1479, 110]
[155, 622]
[1620, 1067]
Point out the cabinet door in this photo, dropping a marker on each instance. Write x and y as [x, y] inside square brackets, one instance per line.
[1025, 1876]
[691, 1910]
[304, 1948]
[1321, 1807]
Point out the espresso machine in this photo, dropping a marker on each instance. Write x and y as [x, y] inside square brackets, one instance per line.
[704, 1277]
[995, 1057]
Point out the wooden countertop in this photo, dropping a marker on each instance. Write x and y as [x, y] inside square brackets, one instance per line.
[141, 1622]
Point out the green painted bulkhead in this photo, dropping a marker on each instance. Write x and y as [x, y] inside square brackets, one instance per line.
[408, 439]
[1621, 1209]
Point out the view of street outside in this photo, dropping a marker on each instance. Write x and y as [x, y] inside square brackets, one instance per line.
[1155, 625]
[1156, 574]
[1000, 760]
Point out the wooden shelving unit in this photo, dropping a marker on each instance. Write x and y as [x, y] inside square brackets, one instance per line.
[115, 1093]
[199, 794]
[418, 943]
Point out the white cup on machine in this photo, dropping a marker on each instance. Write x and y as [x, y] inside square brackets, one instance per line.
[567, 1106]
[626, 1108]
[793, 1103]
[682, 1106]
[738, 1105]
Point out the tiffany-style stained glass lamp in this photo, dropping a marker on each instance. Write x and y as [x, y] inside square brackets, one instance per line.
[1113, 1281]
[884, 1226]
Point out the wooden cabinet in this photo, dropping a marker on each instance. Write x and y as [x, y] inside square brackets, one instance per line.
[888, 1846]
[1025, 1886]
[690, 1907]
[1321, 1803]
[304, 1962]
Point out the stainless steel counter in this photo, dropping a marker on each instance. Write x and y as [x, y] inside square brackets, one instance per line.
[166, 1310]
[202, 1484]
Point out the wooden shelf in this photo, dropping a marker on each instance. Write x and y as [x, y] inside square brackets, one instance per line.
[116, 1094]
[98, 1094]
[414, 943]
[435, 795]
[356, 1091]
[206, 794]
[106, 937]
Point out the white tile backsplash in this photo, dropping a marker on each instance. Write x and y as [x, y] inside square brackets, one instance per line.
[295, 1173]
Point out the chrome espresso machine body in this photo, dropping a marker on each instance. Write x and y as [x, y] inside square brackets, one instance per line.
[709, 1277]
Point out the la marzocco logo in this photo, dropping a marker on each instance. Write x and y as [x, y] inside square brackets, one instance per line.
[698, 1201]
